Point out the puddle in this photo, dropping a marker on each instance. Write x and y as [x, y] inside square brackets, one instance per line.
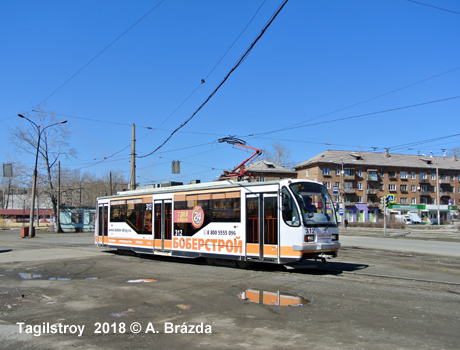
[124, 313]
[142, 280]
[272, 298]
[59, 279]
[28, 276]
[90, 278]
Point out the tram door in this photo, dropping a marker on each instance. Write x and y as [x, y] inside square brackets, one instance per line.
[163, 224]
[102, 225]
[262, 226]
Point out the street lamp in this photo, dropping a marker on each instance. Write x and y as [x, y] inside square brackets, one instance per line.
[34, 180]
[437, 184]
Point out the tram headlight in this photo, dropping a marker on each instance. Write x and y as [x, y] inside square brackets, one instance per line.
[335, 236]
[309, 238]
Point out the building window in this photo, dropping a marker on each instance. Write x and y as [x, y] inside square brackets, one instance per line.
[403, 200]
[380, 187]
[360, 186]
[403, 174]
[77, 218]
[337, 172]
[338, 185]
[413, 188]
[392, 174]
[359, 172]
[326, 171]
[403, 188]
[327, 184]
[307, 174]
[433, 176]
[392, 187]
[422, 176]
[452, 177]
[413, 200]
[412, 175]
[382, 174]
[349, 172]
[360, 199]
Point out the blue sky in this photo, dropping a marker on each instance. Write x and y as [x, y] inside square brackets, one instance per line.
[321, 72]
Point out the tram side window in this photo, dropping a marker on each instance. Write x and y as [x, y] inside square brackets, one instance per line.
[289, 209]
[118, 213]
[139, 217]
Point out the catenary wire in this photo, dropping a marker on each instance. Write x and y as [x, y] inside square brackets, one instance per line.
[435, 7]
[100, 53]
[245, 55]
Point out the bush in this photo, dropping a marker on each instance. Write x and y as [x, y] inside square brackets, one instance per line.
[391, 224]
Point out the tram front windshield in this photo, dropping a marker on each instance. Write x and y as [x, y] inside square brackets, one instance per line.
[315, 204]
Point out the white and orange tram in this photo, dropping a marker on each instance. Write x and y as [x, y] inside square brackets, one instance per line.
[281, 222]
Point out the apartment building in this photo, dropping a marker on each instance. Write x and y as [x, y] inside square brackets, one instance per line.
[362, 178]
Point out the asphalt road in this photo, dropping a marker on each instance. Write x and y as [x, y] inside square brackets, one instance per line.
[60, 291]
[404, 245]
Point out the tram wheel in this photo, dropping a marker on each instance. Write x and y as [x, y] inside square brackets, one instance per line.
[243, 264]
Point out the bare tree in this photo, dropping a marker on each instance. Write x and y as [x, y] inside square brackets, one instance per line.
[455, 152]
[279, 155]
[53, 145]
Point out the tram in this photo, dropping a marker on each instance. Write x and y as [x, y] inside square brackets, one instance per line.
[280, 222]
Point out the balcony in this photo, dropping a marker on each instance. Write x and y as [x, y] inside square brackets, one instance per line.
[445, 194]
[372, 191]
[349, 190]
[424, 181]
[372, 178]
[348, 177]
[444, 182]
[373, 204]
[425, 193]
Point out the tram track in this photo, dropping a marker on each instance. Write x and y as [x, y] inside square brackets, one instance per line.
[392, 281]
[394, 277]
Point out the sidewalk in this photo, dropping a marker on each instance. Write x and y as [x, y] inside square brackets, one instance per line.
[449, 233]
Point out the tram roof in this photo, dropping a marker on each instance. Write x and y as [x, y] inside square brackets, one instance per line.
[153, 189]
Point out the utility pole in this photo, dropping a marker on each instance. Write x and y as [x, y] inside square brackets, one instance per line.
[58, 214]
[111, 188]
[132, 185]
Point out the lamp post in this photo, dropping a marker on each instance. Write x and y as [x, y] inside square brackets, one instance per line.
[437, 185]
[34, 179]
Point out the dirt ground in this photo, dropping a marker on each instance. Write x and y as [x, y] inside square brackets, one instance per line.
[60, 291]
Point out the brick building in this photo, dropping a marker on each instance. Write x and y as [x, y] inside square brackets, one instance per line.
[364, 177]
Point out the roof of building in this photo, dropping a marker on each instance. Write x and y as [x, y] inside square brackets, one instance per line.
[264, 166]
[387, 159]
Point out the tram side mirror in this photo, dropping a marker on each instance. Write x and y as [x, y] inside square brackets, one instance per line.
[310, 215]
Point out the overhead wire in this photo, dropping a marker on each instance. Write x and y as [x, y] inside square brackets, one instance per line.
[210, 72]
[372, 98]
[435, 7]
[356, 116]
[100, 52]
[243, 57]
